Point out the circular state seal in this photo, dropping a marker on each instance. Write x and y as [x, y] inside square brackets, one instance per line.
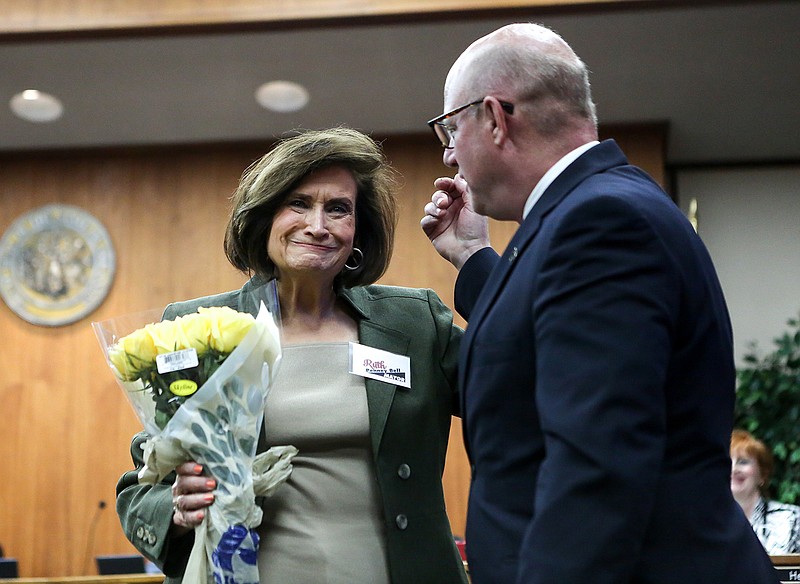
[57, 264]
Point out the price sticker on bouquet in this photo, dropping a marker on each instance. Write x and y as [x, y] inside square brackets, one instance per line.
[177, 361]
[381, 365]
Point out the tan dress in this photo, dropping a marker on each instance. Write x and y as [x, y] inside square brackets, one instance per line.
[324, 525]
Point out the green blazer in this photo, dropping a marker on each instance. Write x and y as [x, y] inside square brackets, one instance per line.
[409, 430]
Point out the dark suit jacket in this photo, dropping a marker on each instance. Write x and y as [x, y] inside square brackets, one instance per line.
[598, 387]
[409, 429]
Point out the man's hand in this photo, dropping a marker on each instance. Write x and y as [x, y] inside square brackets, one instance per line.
[451, 224]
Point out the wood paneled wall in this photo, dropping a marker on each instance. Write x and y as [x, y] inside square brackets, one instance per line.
[66, 426]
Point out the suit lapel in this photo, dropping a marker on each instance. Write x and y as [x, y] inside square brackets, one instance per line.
[380, 394]
[250, 296]
[502, 270]
[597, 159]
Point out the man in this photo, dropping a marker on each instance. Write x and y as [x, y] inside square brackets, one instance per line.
[597, 370]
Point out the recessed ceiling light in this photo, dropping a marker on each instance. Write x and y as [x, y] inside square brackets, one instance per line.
[36, 106]
[282, 96]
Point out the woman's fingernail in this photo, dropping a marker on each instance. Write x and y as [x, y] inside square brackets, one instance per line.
[211, 483]
[198, 469]
[208, 497]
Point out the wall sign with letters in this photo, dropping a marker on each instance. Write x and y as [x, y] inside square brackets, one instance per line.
[57, 264]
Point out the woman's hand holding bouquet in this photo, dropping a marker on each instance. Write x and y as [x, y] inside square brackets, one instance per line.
[199, 384]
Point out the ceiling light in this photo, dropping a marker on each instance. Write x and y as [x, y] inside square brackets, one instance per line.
[282, 96]
[36, 106]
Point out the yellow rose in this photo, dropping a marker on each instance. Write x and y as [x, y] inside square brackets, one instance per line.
[228, 327]
[119, 359]
[132, 353]
[164, 335]
[194, 332]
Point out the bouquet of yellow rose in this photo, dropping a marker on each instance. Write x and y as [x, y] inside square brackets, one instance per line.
[169, 361]
[198, 384]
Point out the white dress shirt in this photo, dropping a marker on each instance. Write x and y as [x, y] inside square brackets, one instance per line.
[551, 175]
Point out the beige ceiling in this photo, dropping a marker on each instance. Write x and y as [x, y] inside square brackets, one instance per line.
[725, 77]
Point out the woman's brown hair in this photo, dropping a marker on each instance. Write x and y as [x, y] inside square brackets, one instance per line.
[265, 185]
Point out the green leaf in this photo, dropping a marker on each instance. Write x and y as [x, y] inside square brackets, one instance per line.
[248, 445]
[221, 445]
[768, 406]
[212, 457]
[198, 431]
[223, 475]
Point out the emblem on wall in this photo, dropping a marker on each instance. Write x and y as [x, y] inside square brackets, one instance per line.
[57, 264]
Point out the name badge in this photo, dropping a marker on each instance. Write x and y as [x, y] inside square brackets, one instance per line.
[381, 365]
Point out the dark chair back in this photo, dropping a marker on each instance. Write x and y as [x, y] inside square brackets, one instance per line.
[9, 568]
[120, 564]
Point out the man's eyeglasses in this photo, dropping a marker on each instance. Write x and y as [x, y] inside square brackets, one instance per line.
[445, 133]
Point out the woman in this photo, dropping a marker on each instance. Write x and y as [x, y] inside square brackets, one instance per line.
[777, 525]
[364, 502]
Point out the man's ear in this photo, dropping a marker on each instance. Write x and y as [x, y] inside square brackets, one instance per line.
[496, 118]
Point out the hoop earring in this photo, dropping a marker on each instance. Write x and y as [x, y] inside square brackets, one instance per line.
[358, 257]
